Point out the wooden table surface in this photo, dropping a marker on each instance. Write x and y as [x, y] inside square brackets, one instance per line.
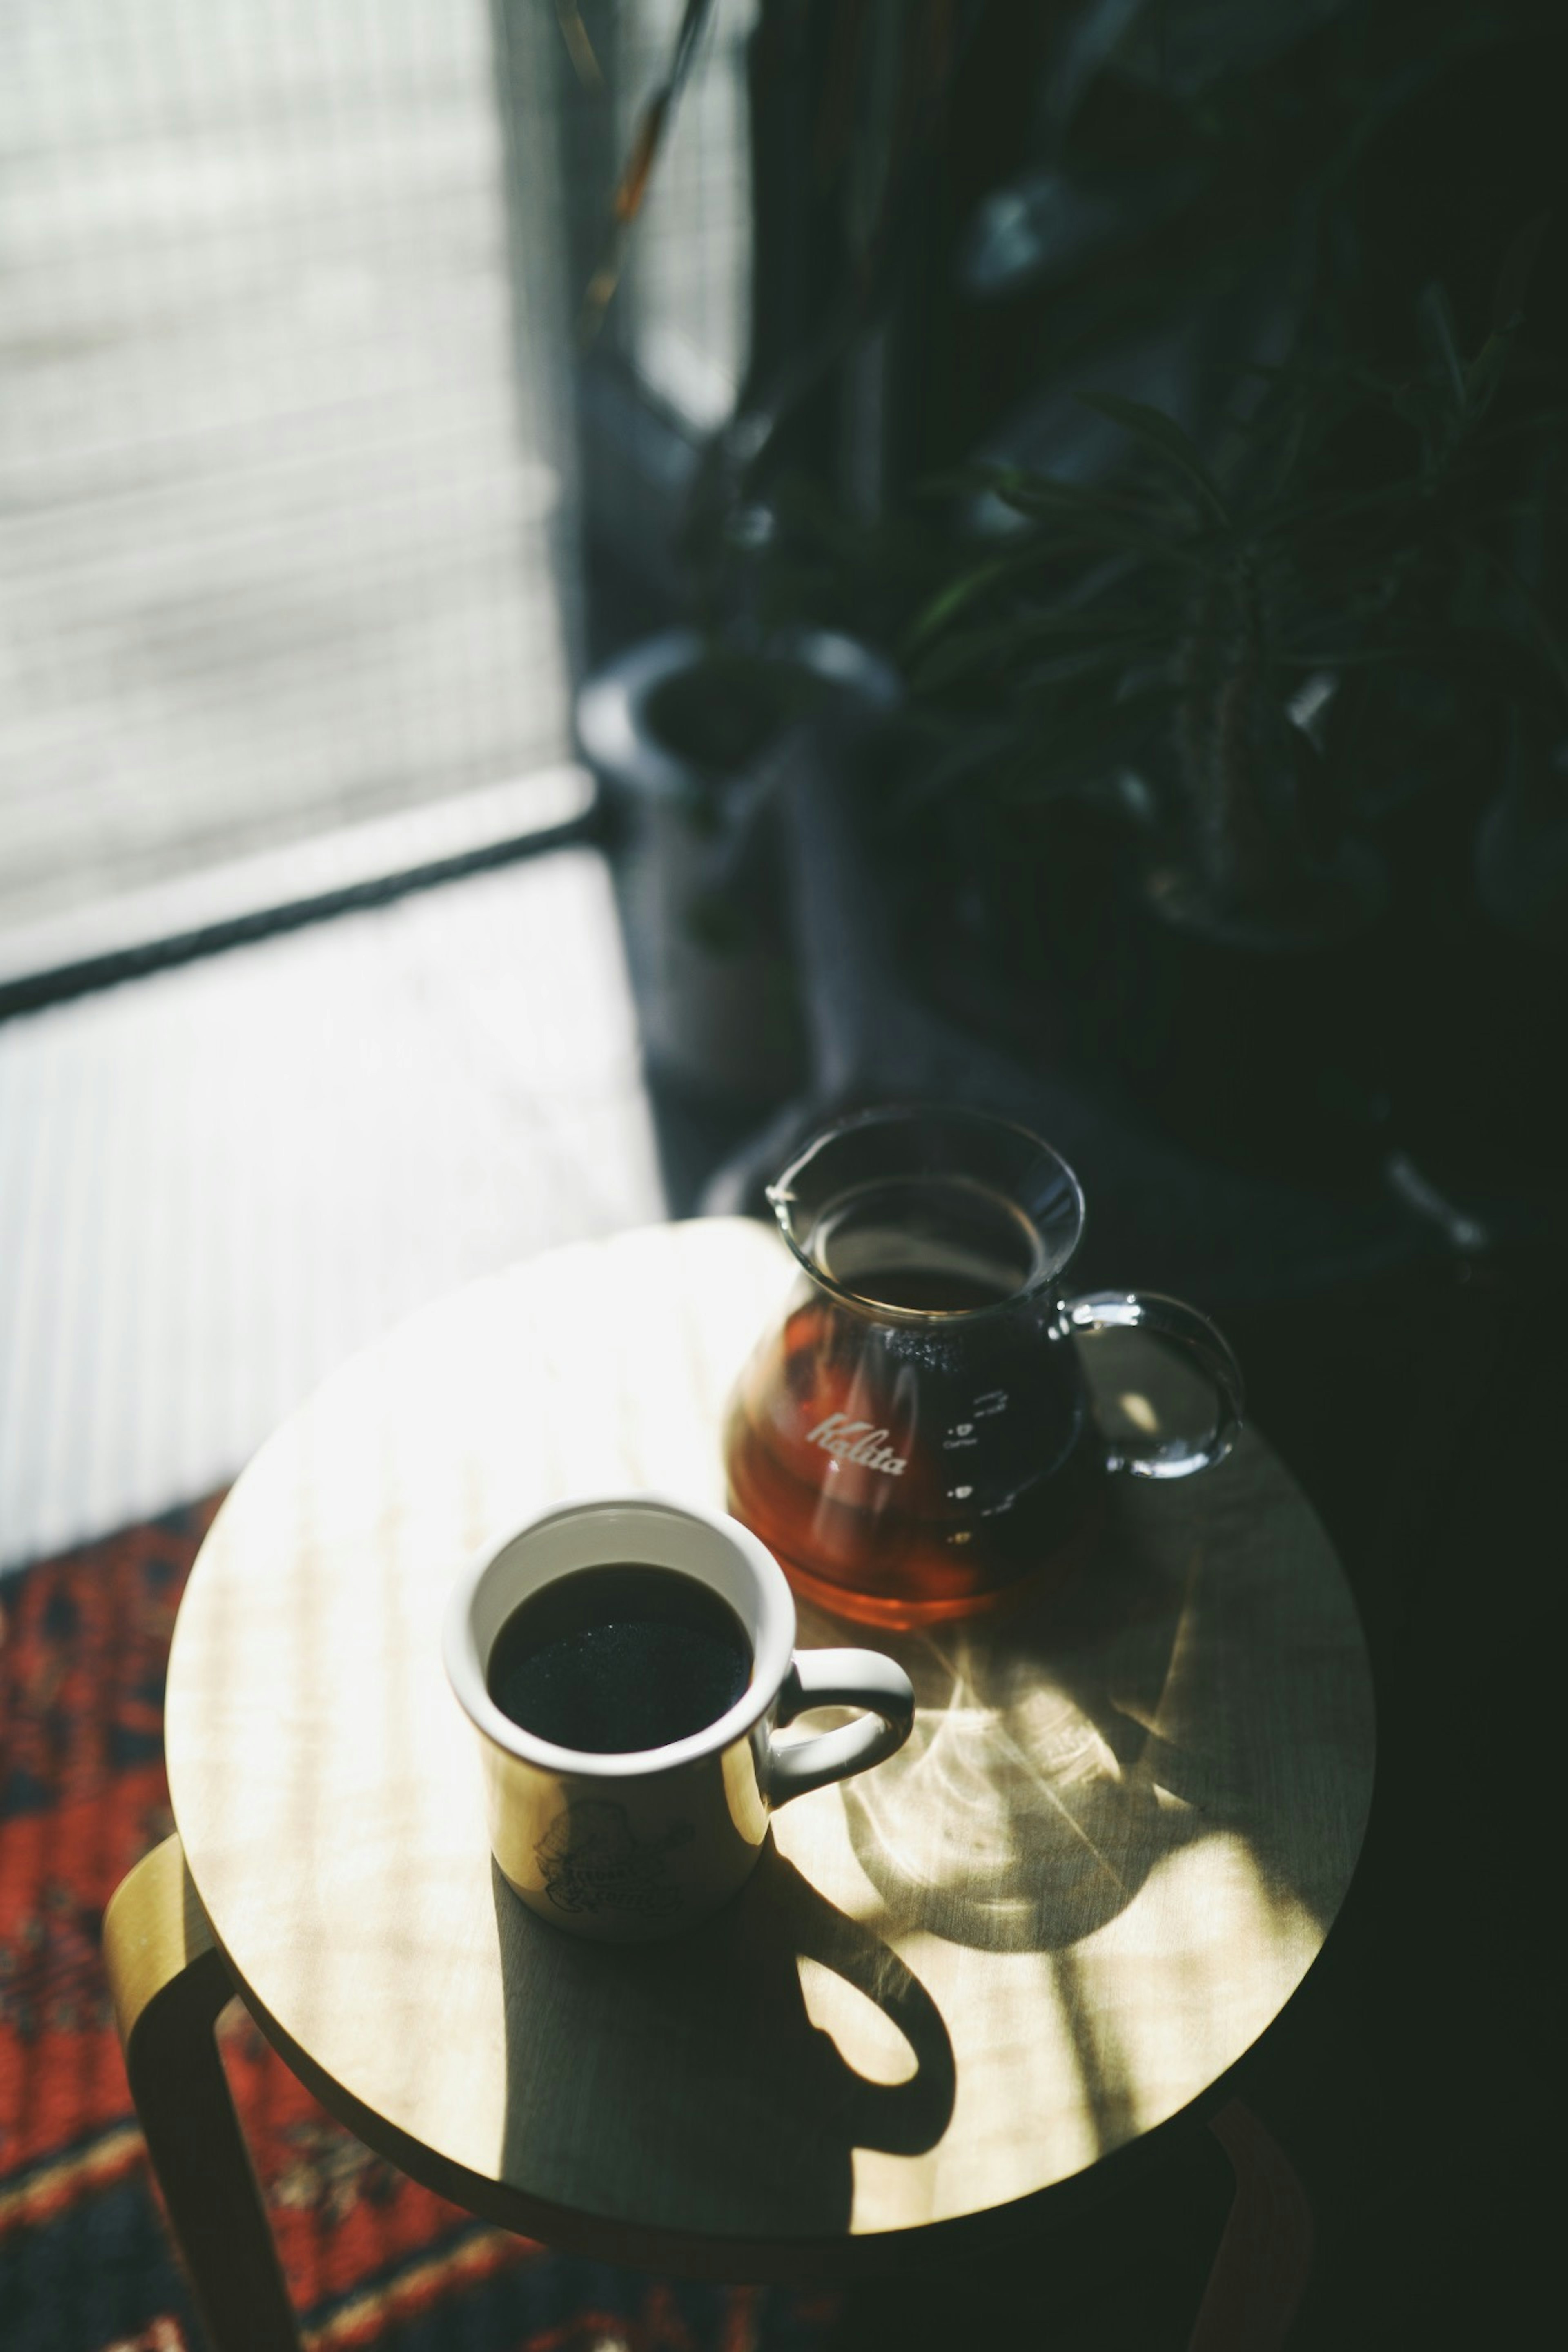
[1112, 1847]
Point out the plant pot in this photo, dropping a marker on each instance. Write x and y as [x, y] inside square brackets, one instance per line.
[1260, 1043]
[677, 729]
[1479, 1015]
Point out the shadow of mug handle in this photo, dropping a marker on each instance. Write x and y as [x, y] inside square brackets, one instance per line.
[903, 2119]
[838, 1678]
[1166, 1319]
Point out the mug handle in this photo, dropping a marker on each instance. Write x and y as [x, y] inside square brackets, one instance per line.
[1146, 1310]
[838, 1678]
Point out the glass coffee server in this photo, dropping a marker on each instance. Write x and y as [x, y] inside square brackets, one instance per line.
[915, 1439]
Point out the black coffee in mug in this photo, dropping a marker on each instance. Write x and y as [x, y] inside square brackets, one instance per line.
[617, 1659]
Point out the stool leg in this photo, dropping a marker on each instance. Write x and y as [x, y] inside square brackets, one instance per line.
[1259, 2273]
[169, 1984]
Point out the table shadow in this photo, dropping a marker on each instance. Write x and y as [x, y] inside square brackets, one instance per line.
[682, 2084]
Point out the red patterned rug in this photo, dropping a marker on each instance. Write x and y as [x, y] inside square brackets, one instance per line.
[85, 2265]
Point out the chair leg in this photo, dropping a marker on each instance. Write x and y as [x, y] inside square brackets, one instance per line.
[169, 1984]
[1260, 2271]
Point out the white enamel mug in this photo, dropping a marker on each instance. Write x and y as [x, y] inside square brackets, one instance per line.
[626, 1847]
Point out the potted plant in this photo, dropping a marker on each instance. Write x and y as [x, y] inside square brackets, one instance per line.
[1203, 665]
[1217, 694]
[678, 730]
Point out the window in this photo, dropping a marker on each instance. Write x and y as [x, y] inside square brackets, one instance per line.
[276, 516]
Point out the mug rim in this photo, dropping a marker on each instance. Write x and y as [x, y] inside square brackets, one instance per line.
[773, 1647]
[781, 1198]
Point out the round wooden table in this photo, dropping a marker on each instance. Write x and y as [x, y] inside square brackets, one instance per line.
[1109, 1854]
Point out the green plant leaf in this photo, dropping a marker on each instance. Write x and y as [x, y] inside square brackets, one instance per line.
[1094, 625]
[1032, 493]
[1058, 533]
[1485, 371]
[963, 756]
[1518, 268]
[1292, 444]
[967, 482]
[949, 601]
[957, 659]
[1435, 313]
[1067, 516]
[1542, 626]
[1164, 435]
[1060, 753]
[1082, 52]
[998, 651]
[1065, 681]
[1110, 535]
[953, 599]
